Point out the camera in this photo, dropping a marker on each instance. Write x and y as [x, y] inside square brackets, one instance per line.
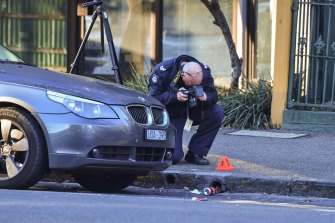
[193, 93]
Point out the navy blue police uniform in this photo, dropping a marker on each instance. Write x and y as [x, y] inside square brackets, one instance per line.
[207, 114]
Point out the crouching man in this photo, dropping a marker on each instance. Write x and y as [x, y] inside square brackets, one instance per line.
[186, 88]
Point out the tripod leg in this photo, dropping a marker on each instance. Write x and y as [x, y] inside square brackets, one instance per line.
[111, 46]
[74, 64]
[102, 34]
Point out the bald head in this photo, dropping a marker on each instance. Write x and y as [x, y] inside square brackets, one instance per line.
[192, 74]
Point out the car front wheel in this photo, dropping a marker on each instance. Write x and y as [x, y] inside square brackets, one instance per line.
[22, 149]
[104, 183]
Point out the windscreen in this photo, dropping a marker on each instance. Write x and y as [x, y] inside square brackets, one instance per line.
[6, 55]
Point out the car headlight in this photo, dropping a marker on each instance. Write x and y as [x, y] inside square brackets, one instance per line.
[83, 107]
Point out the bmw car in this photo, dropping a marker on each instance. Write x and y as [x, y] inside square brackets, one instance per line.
[103, 133]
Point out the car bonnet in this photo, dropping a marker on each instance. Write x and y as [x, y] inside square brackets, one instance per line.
[80, 86]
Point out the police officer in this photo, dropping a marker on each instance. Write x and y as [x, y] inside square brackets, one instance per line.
[168, 82]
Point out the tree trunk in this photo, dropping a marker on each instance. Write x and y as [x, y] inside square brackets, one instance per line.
[236, 63]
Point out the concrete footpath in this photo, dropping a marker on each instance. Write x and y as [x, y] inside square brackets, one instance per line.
[274, 162]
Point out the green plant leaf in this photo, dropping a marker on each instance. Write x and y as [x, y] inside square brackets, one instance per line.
[248, 107]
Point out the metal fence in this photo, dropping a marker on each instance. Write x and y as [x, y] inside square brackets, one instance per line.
[312, 59]
[36, 31]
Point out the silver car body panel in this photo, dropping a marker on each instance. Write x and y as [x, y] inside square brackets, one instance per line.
[70, 138]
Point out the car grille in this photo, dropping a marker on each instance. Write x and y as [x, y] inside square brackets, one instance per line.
[149, 154]
[142, 115]
[139, 114]
[120, 153]
[158, 115]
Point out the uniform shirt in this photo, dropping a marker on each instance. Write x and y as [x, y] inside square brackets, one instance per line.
[160, 86]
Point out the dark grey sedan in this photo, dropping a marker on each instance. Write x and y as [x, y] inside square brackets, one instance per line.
[103, 133]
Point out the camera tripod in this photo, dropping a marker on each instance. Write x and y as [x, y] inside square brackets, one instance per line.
[104, 26]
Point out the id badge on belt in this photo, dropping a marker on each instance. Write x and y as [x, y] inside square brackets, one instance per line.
[188, 124]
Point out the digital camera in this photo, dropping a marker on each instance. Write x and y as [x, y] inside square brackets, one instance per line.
[193, 93]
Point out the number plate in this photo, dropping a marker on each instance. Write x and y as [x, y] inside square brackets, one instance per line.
[155, 134]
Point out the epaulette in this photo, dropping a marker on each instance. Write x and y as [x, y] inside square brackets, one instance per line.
[162, 67]
[205, 66]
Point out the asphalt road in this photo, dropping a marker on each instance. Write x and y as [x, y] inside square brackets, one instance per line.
[61, 203]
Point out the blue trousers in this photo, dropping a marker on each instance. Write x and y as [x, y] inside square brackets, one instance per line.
[209, 121]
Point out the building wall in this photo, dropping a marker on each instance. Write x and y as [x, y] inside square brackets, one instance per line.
[187, 28]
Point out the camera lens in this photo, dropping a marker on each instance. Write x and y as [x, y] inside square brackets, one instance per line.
[192, 102]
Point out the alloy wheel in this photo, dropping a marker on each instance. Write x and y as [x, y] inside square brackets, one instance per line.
[14, 149]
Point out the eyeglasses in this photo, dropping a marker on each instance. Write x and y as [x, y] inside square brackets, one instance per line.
[194, 78]
[195, 74]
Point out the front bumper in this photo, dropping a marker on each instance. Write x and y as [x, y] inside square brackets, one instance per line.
[73, 141]
[75, 163]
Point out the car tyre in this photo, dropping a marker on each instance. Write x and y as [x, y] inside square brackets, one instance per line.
[104, 183]
[22, 149]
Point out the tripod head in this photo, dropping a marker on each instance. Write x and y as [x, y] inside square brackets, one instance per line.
[94, 2]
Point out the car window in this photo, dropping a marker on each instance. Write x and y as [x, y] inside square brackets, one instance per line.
[6, 55]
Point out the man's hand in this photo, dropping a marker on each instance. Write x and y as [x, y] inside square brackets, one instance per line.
[203, 98]
[180, 96]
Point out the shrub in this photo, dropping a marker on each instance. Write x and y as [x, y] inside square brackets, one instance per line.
[138, 82]
[248, 107]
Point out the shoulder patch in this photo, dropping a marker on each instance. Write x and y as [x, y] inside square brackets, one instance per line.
[154, 78]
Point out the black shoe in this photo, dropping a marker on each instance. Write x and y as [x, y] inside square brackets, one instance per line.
[195, 158]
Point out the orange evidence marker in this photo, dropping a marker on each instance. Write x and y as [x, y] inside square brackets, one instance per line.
[224, 165]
